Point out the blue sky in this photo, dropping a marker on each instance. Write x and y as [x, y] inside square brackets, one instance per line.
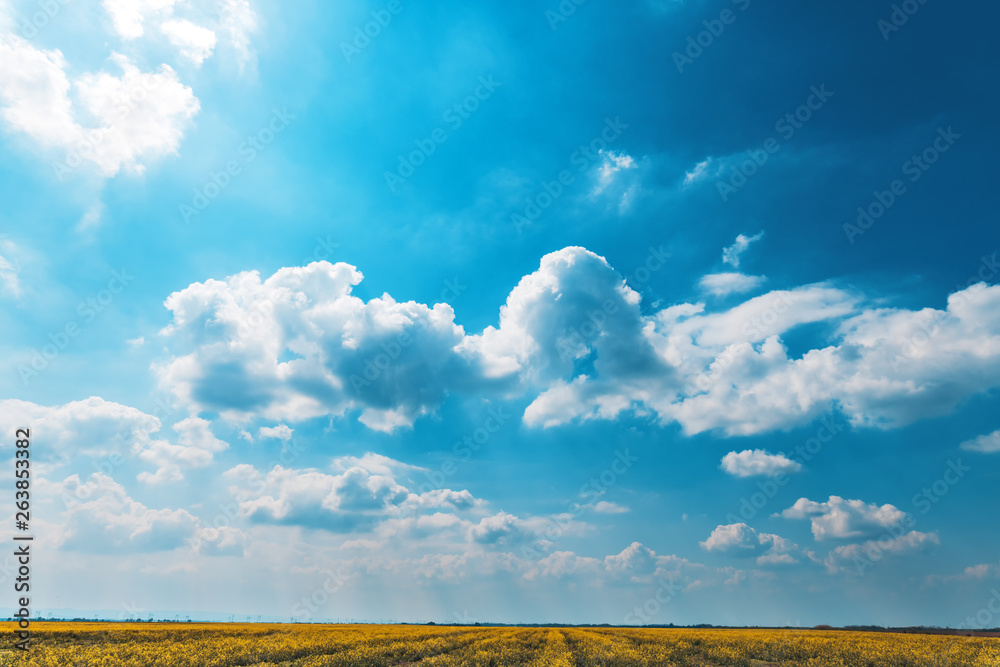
[664, 311]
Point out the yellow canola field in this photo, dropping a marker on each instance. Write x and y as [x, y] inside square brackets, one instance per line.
[274, 645]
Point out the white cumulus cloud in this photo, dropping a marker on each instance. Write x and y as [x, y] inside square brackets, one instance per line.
[192, 41]
[279, 432]
[362, 494]
[135, 117]
[724, 284]
[102, 518]
[986, 444]
[741, 540]
[856, 558]
[91, 426]
[839, 518]
[129, 16]
[573, 338]
[392, 361]
[606, 507]
[749, 463]
[195, 448]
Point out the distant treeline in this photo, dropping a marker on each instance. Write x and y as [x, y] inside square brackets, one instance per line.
[921, 629]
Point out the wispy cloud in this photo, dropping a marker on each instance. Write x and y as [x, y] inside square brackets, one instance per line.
[723, 284]
[732, 254]
[986, 444]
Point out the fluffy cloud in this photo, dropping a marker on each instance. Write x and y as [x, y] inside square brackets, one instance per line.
[93, 426]
[129, 16]
[741, 540]
[976, 573]
[883, 371]
[565, 564]
[362, 494]
[192, 41]
[856, 558]
[635, 562]
[749, 463]
[379, 513]
[500, 529]
[339, 503]
[448, 499]
[724, 284]
[438, 528]
[532, 536]
[102, 518]
[605, 507]
[838, 518]
[447, 520]
[987, 444]
[195, 36]
[99, 517]
[194, 449]
[688, 366]
[113, 432]
[374, 463]
[574, 307]
[279, 432]
[125, 118]
[392, 361]
[572, 337]
[982, 571]
[136, 117]
[638, 563]
[169, 459]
